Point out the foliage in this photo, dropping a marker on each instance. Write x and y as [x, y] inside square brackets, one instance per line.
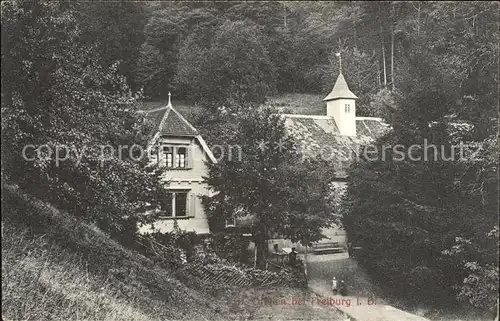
[217, 76]
[186, 241]
[405, 212]
[54, 94]
[233, 247]
[480, 287]
[116, 30]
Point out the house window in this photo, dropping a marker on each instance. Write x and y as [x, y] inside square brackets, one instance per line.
[175, 205]
[169, 156]
[180, 203]
[176, 156]
[347, 108]
[181, 157]
[167, 205]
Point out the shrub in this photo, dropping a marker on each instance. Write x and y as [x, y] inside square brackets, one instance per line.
[233, 247]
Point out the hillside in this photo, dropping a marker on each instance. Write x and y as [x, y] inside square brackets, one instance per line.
[305, 104]
[66, 270]
[57, 268]
[294, 103]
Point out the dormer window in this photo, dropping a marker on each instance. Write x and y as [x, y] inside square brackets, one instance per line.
[169, 156]
[181, 157]
[175, 156]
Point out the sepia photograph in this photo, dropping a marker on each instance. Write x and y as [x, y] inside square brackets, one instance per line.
[250, 160]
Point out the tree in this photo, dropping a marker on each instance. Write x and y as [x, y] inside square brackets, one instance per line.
[168, 27]
[284, 197]
[235, 70]
[116, 29]
[408, 213]
[75, 121]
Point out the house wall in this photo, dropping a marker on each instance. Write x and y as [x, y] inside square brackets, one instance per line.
[333, 234]
[346, 122]
[185, 179]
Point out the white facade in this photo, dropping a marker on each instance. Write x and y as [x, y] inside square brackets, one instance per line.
[343, 111]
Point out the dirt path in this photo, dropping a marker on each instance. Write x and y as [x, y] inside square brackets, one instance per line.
[321, 269]
[281, 304]
[363, 302]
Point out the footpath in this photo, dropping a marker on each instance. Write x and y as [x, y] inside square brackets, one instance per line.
[358, 306]
[361, 308]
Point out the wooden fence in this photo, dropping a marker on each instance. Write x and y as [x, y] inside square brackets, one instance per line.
[232, 275]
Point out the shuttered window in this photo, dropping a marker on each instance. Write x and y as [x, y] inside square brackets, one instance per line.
[179, 204]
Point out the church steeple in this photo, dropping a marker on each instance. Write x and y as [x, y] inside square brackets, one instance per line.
[341, 105]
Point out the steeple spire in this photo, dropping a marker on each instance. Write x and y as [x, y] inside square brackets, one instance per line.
[338, 54]
[169, 100]
[341, 104]
[340, 90]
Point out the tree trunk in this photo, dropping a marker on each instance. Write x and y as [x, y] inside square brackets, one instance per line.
[355, 34]
[384, 67]
[498, 304]
[392, 45]
[260, 241]
[255, 256]
[284, 15]
[418, 20]
[305, 261]
[378, 74]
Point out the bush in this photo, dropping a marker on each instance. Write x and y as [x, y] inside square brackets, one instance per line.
[232, 247]
[186, 241]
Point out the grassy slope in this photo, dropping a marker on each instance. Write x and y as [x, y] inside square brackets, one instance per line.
[306, 104]
[57, 268]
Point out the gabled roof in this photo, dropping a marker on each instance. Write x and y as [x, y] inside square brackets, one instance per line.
[169, 122]
[320, 134]
[340, 90]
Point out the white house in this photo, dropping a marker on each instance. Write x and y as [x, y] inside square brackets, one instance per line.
[177, 146]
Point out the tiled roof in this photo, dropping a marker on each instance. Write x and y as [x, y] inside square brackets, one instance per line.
[319, 134]
[170, 122]
[340, 90]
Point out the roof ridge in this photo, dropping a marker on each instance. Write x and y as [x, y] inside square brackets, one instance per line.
[183, 119]
[307, 116]
[164, 119]
[368, 118]
[152, 110]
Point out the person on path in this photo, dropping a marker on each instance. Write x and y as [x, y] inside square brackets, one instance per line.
[343, 288]
[292, 258]
[334, 285]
